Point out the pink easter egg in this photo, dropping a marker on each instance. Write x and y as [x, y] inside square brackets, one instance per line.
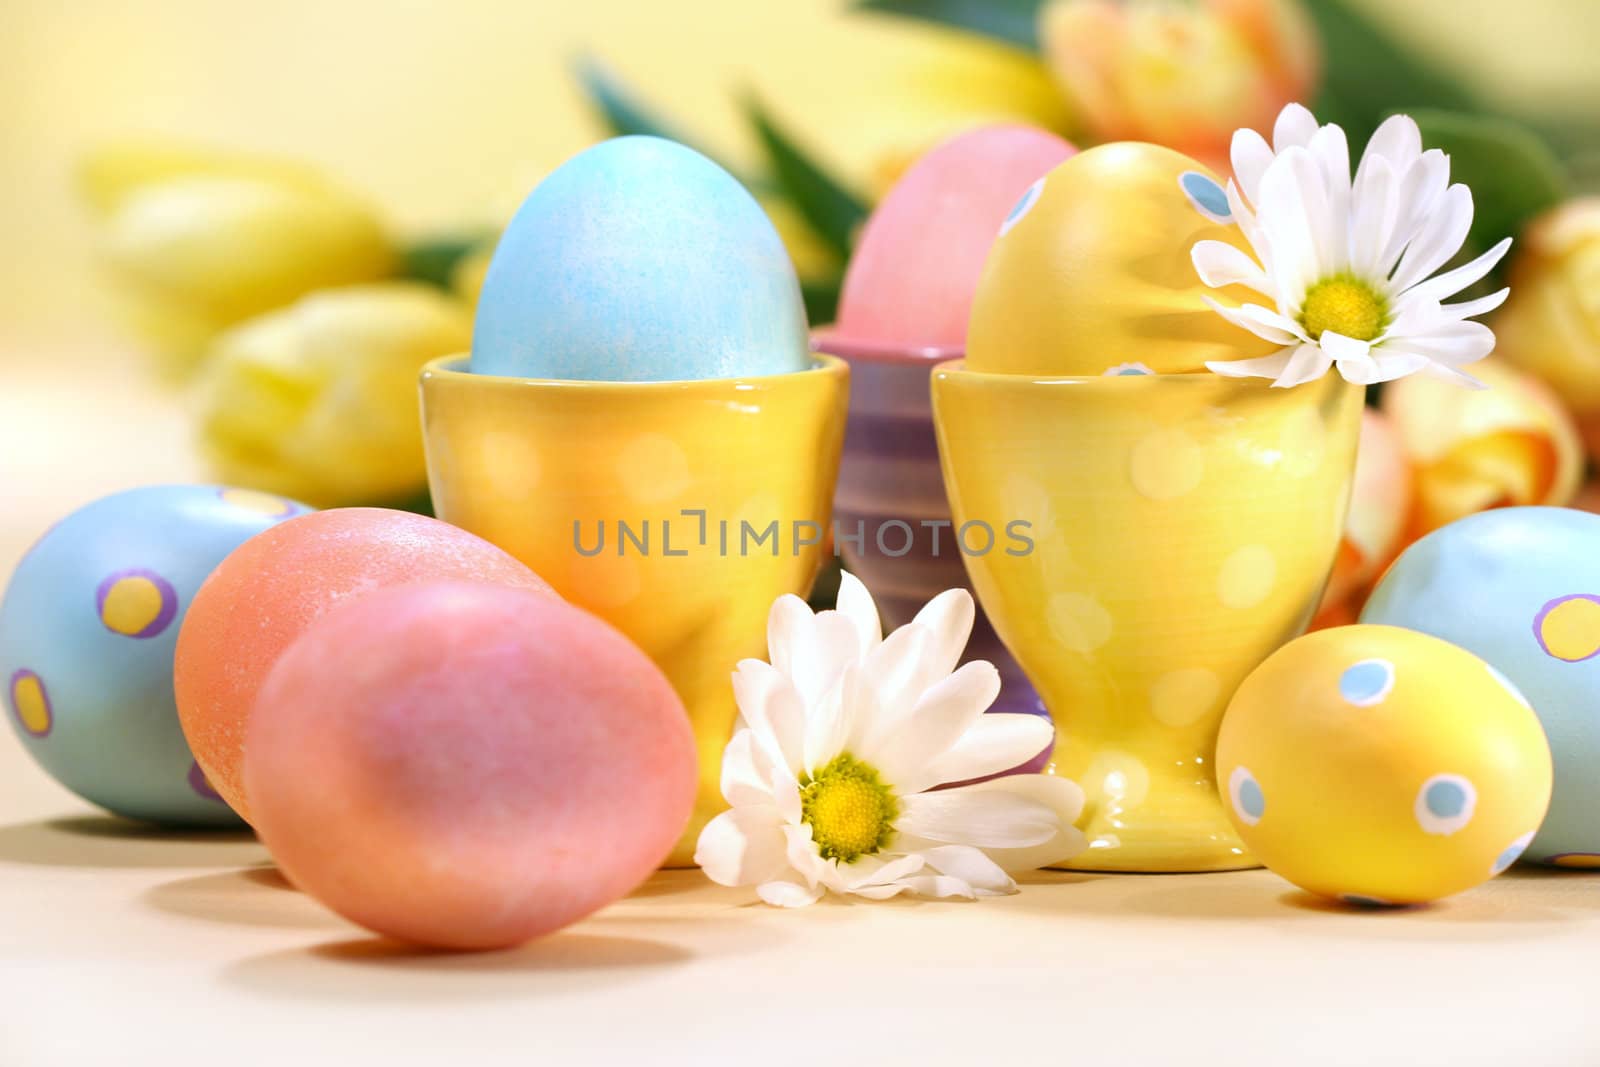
[273, 586]
[914, 271]
[466, 765]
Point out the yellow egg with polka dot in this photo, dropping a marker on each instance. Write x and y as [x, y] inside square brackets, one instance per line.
[1091, 273]
[1382, 766]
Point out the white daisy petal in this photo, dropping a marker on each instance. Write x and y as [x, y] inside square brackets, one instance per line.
[786, 622]
[1468, 309]
[855, 604]
[973, 817]
[1439, 240]
[1375, 206]
[971, 866]
[1250, 156]
[1453, 344]
[746, 771]
[831, 644]
[1352, 357]
[1397, 142]
[870, 870]
[1265, 323]
[942, 887]
[883, 892]
[1306, 364]
[943, 714]
[743, 846]
[1060, 795]
[787, 894]
[1387, 366]
[1262, 367]
[1295, 127]
[1295, 214]
[948, 618]
[1451, 282]
[899, 670]
[1220, 264]
[1422, 188]
[1454, 376]
[994, 744]
[773, 710]
[828, 726]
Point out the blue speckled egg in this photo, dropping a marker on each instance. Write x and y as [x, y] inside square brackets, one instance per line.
[640, 260]
[87, 630]
[1520, 587]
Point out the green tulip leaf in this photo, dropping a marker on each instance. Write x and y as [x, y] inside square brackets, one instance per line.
[1368, 75]
[619, 107]
[433, 259]
[1513, 174]
[1014, 22]
[828, 207]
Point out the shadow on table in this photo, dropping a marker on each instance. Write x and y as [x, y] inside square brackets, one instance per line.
[373, 969]
[1515, 906]
[107, 841]
[253, 896]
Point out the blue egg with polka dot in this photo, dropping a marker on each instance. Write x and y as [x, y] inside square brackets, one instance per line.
[88, 625]
[640, 260]
[1520, 588]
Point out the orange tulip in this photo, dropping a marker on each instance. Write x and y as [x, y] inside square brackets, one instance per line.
[1513, 443]
[1182, 75]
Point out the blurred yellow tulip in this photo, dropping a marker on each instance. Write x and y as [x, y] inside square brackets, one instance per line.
[318, 400]
[1513, 443]
[1550, 324]
[199, 241]
[1181, 75]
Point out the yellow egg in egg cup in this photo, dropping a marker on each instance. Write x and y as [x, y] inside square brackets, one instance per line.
[677, 511]
[1182, 528]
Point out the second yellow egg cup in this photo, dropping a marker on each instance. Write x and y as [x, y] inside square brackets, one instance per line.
[676, 511]
[1182, 528]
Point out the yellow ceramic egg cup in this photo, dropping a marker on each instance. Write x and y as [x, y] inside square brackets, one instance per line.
[1183, 527]
[698, 471]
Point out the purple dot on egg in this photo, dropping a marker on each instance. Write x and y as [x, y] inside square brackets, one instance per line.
[136, 617]
[201, 784]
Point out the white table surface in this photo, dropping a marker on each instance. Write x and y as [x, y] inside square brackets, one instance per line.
[120, 946]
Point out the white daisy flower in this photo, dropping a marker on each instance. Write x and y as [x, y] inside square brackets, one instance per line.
[1348, 267]
[842, 739]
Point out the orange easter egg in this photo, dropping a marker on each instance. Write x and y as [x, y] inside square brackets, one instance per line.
[1380, 507]
[273, 586]
[467, 766]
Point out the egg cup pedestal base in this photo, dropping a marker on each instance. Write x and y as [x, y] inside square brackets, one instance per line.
[676, 511]
[1183, 528]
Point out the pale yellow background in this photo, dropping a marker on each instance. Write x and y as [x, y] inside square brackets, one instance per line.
[449, 112]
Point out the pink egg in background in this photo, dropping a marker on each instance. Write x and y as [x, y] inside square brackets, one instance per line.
[466, 765]
[915, 268]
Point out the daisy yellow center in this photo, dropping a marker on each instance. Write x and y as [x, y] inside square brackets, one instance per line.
[1346, 305]
[850, 810]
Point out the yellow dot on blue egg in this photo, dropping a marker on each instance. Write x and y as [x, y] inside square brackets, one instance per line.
[136, 603]
[1249, 802]
[1568, 628]
[1445, 804]
[1510, 855]
[1023, 206]
[1208, 198]
[1583, 861]
[1367, 683]
[30, 703]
